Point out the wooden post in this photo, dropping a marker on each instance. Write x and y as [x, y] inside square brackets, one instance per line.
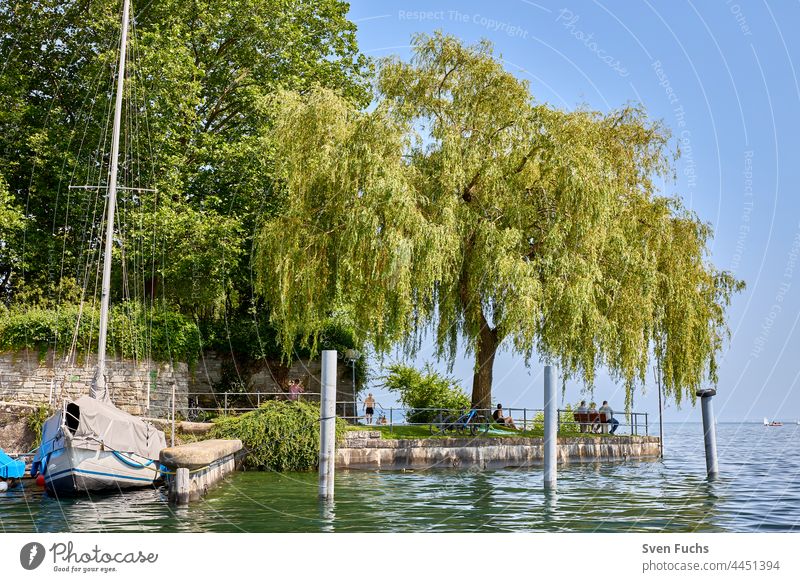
[550, 428]
[182, 486]
[327, 429]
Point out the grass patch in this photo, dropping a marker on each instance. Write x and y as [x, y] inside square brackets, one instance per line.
[423, 431]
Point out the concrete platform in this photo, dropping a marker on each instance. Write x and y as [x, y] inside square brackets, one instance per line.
[198, 467]
[199, 454]
[367, 450]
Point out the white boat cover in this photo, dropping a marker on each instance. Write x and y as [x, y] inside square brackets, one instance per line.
[103, 425]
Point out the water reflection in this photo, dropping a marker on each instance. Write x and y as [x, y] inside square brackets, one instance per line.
[758, 490]
[328, 515]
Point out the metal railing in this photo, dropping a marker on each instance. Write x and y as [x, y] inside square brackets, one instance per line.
[204, 405]
[522, 418]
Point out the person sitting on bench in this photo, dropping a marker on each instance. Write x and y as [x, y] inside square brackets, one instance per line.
[581, 410]
[498, 417]
[606, 409]
[593, 418]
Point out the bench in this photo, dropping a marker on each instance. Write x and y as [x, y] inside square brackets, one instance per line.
[591, 421]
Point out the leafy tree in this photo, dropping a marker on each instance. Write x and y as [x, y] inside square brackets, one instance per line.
[459, 204]
[421, 391]
[197, 110]
[11, 223]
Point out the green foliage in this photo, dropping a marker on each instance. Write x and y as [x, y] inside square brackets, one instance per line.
[252, 339]
[457, 203]
[196, 116]
[134, 332]
[279, 436]
[420, 390]
[35, 421]
[11, 223]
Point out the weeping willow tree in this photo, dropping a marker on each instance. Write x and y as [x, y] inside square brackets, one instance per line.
[460, 205]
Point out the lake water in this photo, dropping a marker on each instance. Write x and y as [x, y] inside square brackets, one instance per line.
[759, 490]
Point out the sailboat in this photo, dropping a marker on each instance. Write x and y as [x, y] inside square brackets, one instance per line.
[89, 444]
[772, 423]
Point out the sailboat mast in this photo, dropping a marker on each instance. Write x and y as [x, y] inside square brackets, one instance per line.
[99, 390]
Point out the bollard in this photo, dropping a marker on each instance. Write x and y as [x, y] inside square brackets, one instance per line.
[550, 428]
[182, 486]
[327, 428]
[709, 431]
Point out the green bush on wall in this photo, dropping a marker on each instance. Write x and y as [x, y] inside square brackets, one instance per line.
[134, 331]
[278, 436]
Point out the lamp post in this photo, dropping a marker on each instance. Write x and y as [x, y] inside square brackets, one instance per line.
[351, 356]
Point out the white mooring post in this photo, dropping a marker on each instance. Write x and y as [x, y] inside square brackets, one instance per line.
[709, 431]
[550, 428]
[182, 486]
[327, 428]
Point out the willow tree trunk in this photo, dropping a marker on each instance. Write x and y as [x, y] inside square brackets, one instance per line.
[484, 362]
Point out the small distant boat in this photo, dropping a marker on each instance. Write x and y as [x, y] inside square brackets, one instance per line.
[773, 423]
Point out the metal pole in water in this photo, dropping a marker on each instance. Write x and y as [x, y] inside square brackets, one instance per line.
[327, 428]
[709, 431]
[550, 428]
[660, 412]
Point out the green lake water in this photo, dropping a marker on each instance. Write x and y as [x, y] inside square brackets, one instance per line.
[759, 490]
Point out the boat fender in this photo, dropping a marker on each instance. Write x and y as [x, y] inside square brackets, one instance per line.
[40, 480]
[3, 486]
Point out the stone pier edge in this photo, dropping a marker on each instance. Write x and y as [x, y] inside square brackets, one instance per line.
[366, 450]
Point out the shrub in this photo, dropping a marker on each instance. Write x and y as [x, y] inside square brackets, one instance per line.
[35, 421]
[425, 389]
[278, 436]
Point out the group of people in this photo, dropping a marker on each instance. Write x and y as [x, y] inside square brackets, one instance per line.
[499, 417]
[604, 409]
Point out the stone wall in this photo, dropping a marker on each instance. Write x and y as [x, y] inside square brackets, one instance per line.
[367, 450]
[145, 388]
[15, 436]
[142, 388]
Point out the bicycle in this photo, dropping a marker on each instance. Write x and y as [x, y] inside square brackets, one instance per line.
[470, 422]
[194, 413]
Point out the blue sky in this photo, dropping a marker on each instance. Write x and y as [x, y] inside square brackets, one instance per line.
[723, 76]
